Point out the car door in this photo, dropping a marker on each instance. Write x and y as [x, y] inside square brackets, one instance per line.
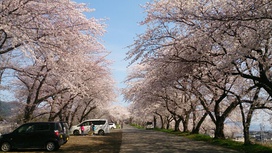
[86, 127]
[21, 137]
[40, 135]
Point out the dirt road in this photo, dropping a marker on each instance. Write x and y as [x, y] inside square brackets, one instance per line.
[143, 141]
[132, 140]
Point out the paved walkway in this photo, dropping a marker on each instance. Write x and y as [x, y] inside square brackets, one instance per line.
[149, 141]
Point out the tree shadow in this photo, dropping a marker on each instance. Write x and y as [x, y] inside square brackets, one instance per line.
[110, 143]
[107, 143]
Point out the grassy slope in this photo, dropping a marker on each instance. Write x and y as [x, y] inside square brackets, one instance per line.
[254, 148]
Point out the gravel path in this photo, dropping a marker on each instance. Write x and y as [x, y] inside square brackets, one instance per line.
[149, 141]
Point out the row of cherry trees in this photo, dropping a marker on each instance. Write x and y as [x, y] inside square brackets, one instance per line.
[54, 55]
[201, 62]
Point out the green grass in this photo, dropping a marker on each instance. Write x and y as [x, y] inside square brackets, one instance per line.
[227, 143]
[137, 126]
[253, 148]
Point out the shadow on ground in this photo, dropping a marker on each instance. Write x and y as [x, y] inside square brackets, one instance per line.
[109, 143]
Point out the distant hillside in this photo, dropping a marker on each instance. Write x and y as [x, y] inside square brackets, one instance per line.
[7, 108]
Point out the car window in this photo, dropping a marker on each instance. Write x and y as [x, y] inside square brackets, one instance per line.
[26, 129]
[65, 127]
[59, 127]
[149, 123]
[42, 127]
[30, 129]
[98, 122]
[85, 123]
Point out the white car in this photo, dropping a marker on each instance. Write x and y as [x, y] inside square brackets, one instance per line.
[149, 125]
[99, 126]
[112, 125]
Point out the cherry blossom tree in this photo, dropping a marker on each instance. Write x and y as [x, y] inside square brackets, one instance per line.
[61, 58]
[92, 84]
[150, 93]
[217, 42]
[35, 92]
[118, 114]
[88, 83]
[31, 24]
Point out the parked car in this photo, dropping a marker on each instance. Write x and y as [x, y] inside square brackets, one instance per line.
[99, 126]
[112, 126]
[35, 135]
[149, 125]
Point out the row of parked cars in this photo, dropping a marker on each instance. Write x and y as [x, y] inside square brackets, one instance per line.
[48, 135]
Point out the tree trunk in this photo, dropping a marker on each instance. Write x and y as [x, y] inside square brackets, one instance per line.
[185, 123]
[167, 125]
[28, 113]
[155, 121]
[162, 122]
[246, 123]
[194, 120]
[246, 135]
[177, 123]
[161, 119]
[168, 120]
[219, 130]
[198, 125]
[73, 115]
[86, 112]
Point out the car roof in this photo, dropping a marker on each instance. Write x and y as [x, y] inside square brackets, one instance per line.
[40, 122]
[95, 120]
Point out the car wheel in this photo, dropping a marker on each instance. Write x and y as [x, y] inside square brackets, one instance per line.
[101, 132]
[5, 147]
[76, 132]
[50, 146]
